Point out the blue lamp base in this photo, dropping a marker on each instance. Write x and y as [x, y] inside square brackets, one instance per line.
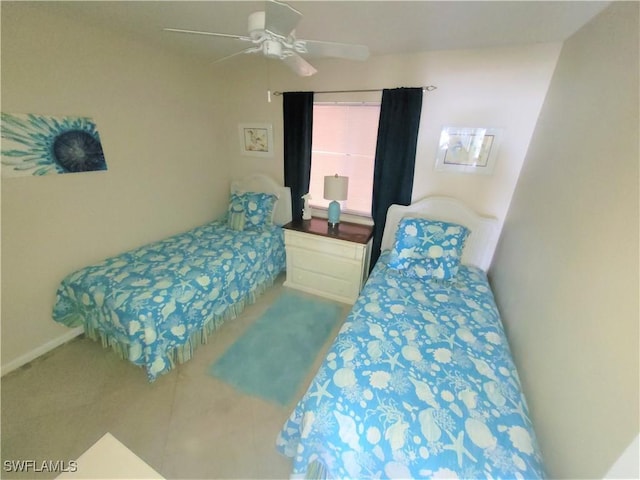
[334, 213]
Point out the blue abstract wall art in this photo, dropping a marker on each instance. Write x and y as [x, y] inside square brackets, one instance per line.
[42, 145]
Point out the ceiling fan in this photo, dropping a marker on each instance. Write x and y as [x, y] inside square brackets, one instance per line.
[272, 33]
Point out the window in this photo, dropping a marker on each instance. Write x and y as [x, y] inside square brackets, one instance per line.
[344, 142]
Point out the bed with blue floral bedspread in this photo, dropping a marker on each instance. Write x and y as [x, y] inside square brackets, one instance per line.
[420, 381]
[153, 305]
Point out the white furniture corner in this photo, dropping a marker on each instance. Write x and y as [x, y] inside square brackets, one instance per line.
[108, 458]
[329, 262]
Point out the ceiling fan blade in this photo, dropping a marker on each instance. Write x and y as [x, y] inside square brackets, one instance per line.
[246, 50]
[299, 65]
[348, 51]
[212, 34]
[280, 19]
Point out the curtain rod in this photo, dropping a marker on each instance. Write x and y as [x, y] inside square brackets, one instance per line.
[428, 88]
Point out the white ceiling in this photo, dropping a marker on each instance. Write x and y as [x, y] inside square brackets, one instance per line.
[386, 27]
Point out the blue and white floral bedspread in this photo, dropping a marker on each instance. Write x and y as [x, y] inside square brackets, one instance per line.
[419, 383]
[151, 301]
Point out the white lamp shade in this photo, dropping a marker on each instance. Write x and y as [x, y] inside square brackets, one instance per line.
[335, 187]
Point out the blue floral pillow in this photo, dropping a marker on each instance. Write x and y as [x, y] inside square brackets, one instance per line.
[251, 210]
[427, 248]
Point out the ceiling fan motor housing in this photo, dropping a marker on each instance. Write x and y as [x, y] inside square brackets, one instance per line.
[272, 49]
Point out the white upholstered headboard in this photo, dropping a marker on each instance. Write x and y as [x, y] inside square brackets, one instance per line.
[481, 243]
[263, 183]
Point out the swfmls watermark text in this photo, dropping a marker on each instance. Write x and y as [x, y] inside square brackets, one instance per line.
[37, 466]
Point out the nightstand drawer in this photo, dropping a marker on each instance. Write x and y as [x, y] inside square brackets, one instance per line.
[336, 248]
[315, 282]
[323, 263]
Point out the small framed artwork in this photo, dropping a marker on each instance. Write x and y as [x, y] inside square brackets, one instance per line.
[256, 139]
[468, 150]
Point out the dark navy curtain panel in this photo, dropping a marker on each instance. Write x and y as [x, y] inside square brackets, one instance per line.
[297, 110]
[395, 156]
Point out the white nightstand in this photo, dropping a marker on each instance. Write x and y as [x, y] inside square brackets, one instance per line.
[330, 262]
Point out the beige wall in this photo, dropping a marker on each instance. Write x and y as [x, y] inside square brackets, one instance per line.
[499, 87]
[566, 270]
[159, 127]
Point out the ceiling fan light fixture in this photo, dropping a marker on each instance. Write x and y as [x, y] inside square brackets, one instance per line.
[256, 25]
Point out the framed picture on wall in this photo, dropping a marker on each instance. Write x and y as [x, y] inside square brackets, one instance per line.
[35, 144]
[468, 150]
[256, 139]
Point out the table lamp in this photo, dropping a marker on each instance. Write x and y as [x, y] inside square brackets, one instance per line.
[335, 188]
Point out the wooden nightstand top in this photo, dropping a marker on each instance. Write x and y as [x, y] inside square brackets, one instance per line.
[350, 232]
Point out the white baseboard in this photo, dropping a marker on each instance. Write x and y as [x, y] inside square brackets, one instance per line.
[41, 350]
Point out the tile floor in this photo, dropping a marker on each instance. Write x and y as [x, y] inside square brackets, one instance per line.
[187, 424]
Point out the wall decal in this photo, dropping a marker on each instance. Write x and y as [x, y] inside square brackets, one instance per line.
[42, 145]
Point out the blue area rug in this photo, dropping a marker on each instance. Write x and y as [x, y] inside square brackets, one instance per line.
[273, 356]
